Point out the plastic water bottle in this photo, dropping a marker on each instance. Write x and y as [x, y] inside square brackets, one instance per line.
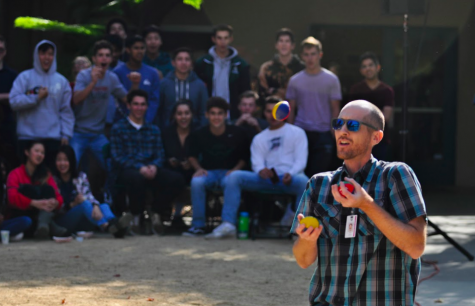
[243, 228]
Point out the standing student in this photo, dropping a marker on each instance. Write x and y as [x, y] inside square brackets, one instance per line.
[7, 118]
[155, 58]
[314, 95]
[274, 75]
[378, 263]
[41, 98]
[182, 83]
[94, 86]
[374, 90]
[135, 71]
[224, 72]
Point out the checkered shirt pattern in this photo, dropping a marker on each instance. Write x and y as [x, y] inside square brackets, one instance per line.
[366, 270]
[132, 148]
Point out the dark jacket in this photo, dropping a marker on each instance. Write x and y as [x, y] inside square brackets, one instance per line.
[239, 78]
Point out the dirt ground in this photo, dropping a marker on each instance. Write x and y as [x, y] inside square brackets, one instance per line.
[171, 270]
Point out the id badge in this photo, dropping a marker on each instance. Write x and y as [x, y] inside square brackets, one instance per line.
[351, 222]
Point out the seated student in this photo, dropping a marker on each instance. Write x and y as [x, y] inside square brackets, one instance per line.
[41, 98]
[182, 83]
[247, 107]
[32, 192]
[138, 158]
[279, 156]
[153, 56]
[81, 211]
[177, 145]
[176, 142]
[15, 226]
[216, 150]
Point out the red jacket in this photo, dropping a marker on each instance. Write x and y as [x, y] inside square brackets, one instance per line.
[19, 176]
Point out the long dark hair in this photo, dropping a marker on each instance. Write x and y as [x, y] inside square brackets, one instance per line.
[41, 173]
[175, 108]
[71, 156]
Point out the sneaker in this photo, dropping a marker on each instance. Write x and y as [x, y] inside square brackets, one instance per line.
[194, 232]
[224, 230]
[57, 230]
[157, 224]
[116, 225]
[288, 217]
[17, 237]
[42, 232]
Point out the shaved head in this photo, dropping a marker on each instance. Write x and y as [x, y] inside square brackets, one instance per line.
[374, 115]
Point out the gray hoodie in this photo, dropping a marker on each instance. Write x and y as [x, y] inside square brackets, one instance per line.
[51, 117]
[222, 68]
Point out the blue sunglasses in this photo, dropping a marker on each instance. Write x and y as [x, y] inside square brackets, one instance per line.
[352, 125]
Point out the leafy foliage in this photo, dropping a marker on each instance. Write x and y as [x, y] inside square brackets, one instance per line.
[49, 25]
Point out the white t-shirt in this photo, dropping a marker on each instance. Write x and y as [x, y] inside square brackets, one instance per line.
[284, 149]
[135, 125]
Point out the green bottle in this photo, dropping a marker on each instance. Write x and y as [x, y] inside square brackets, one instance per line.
[243, 228]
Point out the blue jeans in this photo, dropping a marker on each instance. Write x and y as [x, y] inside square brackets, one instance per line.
[251, 181]
[214, 179]
[79, 217]
[82, 141]
[16, 225]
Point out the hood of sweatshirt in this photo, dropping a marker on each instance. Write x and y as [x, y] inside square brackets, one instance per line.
[36, 59]
[212, 52]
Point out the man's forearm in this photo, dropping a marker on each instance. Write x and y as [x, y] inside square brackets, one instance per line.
[194, 163]
[239, 165]
[305, 253]
[410, 237]
[81, 95]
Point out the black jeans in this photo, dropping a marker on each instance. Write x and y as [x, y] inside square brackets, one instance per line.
[165, 186]
[320, 150]
[51, 148]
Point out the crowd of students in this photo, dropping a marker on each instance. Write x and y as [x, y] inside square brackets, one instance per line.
[157, 123]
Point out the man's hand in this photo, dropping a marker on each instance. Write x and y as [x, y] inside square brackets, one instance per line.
[42, 93]
[135, 78]
[173, 162]
[358, 199]
[152, 171]
[185, 165]
[252, 121]
[266, 173]
[97, 213]
[287, 179]
[64, 141]
[311, 234]
[243, 118]
[77, 200]
[200, 172]
[230, 171]
[146, 172]
[96, 74]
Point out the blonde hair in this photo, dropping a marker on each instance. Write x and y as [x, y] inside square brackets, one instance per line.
[310, 42]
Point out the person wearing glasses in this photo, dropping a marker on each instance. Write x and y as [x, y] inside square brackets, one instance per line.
[372, 89]
[377, 262]
[314, 95]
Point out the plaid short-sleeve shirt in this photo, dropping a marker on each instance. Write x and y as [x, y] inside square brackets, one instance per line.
[368, 269]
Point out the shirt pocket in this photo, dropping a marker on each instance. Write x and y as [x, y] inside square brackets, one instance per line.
[329, 216]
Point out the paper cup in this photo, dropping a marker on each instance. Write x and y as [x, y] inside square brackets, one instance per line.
[5, 237]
